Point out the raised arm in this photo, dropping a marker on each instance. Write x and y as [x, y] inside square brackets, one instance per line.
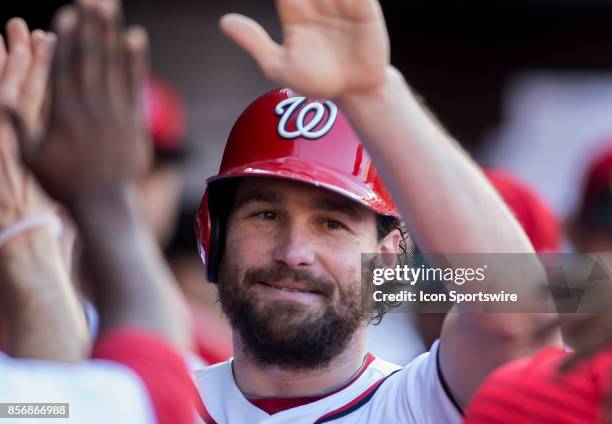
[42, 311]
[340, 49]
[90, 158]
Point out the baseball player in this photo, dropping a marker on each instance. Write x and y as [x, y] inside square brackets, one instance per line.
[297, 199]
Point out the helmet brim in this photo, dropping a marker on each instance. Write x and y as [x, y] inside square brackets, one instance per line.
[317, 176]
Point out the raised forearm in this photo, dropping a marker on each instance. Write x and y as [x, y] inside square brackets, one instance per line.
[447, 202]
[44, 316]
[134, 287]
[451, 208]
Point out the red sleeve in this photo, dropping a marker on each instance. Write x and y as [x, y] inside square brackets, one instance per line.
[533, 391]
[161, 368]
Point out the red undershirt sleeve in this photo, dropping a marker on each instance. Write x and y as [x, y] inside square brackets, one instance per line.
[160, 367]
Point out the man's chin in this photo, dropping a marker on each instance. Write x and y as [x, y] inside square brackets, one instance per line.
[288, 312]
[290, 334]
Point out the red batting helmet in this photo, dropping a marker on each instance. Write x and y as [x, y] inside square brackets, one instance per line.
[537, 219]
[287, 136]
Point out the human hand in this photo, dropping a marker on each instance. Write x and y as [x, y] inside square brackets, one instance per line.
[330, 47]
[96, 141]
[24, 75]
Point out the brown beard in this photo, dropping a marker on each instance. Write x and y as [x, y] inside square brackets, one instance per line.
[286, 334]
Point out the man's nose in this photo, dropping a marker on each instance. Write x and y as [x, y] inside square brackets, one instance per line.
[295, 247]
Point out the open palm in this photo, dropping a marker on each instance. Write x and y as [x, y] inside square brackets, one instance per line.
[24, 76]
[330, 47]
[95, 139]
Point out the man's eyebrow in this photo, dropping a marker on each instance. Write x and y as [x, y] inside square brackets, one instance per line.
[257, 196]
[344, 207]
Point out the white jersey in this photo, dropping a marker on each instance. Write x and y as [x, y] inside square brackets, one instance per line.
[97, 391]
[383, 393]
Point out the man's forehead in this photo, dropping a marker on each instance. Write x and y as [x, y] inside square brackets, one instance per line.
[276, 190]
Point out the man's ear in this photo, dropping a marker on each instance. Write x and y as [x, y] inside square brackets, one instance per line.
[389, 247]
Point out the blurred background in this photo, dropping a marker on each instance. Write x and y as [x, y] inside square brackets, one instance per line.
[524, 86]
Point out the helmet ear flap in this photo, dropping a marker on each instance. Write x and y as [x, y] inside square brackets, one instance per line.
[220, 201]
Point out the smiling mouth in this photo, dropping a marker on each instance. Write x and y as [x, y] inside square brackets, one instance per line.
[287, 289]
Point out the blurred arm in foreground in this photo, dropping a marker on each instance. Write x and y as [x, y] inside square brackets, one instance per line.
[89, 159]
[40, 308]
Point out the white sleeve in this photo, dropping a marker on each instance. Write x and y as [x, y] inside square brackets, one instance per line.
[97, 391]
[417, 393]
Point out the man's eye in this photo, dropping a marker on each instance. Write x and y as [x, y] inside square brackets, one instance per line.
[332, 224]
[266, 215]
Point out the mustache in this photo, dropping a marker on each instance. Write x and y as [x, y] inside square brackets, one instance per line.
[282, 272]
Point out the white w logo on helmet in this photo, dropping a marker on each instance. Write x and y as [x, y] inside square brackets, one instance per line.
[287, 108]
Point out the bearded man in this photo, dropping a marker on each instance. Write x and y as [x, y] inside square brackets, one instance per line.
[297, 200]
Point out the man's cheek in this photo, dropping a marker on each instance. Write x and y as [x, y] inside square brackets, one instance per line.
[350, 281]
[240, 250]
[249, 240]
[348, 263]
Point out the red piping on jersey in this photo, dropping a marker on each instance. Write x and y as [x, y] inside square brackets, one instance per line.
[201, 408]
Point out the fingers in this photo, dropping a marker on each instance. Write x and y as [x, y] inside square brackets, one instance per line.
[65, 25]
[112, 44]
[89, 46]
[89, 57]
[249, 35]
[111, 14]
[43, 51]
[136, 48]
[100, 48]
[100, 41]
[18, 61]
[136, 51]
[36, 83]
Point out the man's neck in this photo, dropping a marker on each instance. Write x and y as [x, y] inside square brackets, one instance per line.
[255, 380]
